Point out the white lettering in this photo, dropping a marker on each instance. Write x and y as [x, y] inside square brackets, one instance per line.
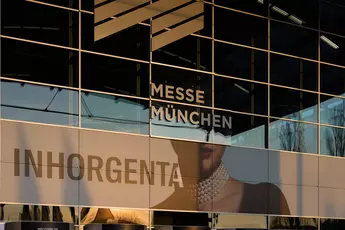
[154, 90]
[200, 96]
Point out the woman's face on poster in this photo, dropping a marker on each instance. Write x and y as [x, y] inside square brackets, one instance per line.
[210, 157]
[198, 160]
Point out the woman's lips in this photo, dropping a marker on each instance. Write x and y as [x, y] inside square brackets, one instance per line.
[206, 152]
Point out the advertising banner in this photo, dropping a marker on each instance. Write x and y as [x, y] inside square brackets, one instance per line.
[63, 166]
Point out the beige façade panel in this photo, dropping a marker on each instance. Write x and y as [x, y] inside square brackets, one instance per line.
[301, 200]
[332, 172]
[36, 188]
[116, 189]
[182, 196]
[246, 164]
[112, 151]
[332, 202]
[293, 168]
[118, 165]
[54, 144]
[40, 164]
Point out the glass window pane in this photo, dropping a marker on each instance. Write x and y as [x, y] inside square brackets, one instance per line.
[332, 79]
[240, 62]
[106, 112]
[304, 13]
[332, 111]
[332, 12]
[190, 52]
[184, 122]
[40, 213]
[277, 222]
[294, 72]
[36, 103]
[32, 62]
[162, 218]
[246, 131]
[240, 96]
[133, 42]
[226, 221]
[293, 136]
[293, 104]
[252, 6]
[115, 75]
[332, 141]
[95, 215]
[34, 21]
[182, 86]
[332, 224]
[253, 30]
[332, 49]
[294, 40]
[66, 3]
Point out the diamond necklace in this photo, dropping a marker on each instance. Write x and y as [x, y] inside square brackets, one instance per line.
[209, 188]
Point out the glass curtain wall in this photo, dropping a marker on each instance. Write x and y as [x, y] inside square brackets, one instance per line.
[259, 74]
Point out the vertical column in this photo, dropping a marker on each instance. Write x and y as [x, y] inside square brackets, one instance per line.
[213, 71]
[79, 101]
[151, 214]
[71, 64]
[267, 130]
[318, 110]
[268, 78]
[252, 77]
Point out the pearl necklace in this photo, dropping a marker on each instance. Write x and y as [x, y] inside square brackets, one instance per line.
[208, 189]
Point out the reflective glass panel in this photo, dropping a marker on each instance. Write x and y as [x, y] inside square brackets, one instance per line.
[65, 3]
[332, 49]
[40, 63]
[106, 112]
[293, 104]
[102, 215]
[132, 42]
[240, 96]
[185, 122]
[294, 72]
[240, 28]
[253, 6]
[277, 222]
[182, 86]
[36, 103]
[39, 22]
[332, 79]
[246, 131]
[332, 110]
[114, 75]
[240, 62]
[226, 221]
[180, 218]
[39, 213]
[293, 136]
[294, 40]
[331, 224]
[304, 13]
[190, 52]
[331, 13]
[332, 141]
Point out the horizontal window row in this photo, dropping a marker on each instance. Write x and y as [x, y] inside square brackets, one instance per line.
[132, 39]
[158, 219]
[34, 62]
[229, 95]
[51, 105]
[323, 14]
